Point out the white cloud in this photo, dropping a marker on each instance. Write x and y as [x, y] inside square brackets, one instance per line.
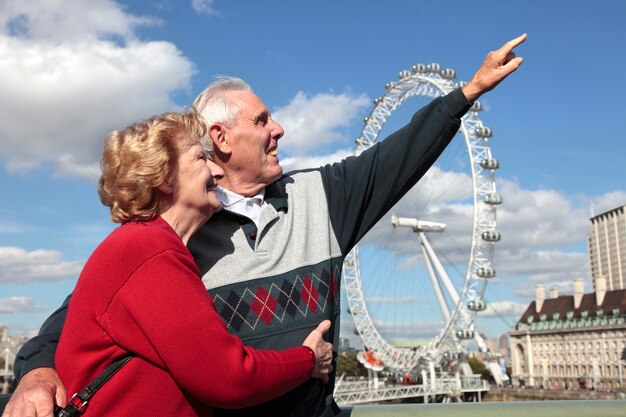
[311, 122]
[204, 7]
[72, 73]
[539, 218]
[607, 202]
[56, 21]
[510, 309]
[22, 267]
[18, 305]
[540, 265]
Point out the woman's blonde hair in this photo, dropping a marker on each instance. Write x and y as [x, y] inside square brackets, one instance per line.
[142, 157]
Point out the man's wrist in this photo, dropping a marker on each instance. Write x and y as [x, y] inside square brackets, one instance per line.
[42, 359]
[470, 91]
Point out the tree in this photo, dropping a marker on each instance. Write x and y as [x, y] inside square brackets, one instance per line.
[478, 367]
[348, 364]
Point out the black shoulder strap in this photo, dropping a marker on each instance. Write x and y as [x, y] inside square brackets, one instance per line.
[79, 400]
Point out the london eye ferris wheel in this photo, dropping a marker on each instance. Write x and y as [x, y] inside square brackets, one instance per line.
[422, 271]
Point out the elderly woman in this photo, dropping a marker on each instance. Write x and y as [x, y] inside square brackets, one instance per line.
[140, 291]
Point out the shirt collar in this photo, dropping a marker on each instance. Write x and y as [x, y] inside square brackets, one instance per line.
[249, 207]
[228, 198]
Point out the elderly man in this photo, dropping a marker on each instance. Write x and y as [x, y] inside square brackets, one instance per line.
[272, 257]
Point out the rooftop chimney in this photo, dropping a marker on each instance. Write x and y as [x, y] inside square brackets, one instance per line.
[600, 289]
[554, 293]
[540, 296]
[579, 290]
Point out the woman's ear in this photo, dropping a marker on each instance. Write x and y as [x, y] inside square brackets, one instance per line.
[219, 136]
[165, 188]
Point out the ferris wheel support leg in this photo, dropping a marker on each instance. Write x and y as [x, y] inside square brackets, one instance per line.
[433, 278]
[372, 378]
[442, 272]
[433, 376]
[480, 342]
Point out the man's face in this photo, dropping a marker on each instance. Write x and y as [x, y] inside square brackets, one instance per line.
[253, 140]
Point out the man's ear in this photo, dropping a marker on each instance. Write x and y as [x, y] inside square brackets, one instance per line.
[219, 136]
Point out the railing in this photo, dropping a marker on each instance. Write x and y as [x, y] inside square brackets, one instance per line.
[349, 393]
[585, 408]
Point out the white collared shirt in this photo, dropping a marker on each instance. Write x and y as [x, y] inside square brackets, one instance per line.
[249, 207]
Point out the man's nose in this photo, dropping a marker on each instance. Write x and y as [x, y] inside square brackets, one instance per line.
[277, 130]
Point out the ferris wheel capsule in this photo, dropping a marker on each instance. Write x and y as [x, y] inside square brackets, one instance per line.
[490, 163]
[418, 68]
[486, 272]
[448, 73]
[388, 85]
[491, 236]
[378, 100]
[483, 132]
[493, 199]
[434, 67]
[404, 74]
[477, 305]
[465, 334]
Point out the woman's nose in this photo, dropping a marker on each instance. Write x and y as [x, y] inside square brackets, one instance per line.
[216, 170]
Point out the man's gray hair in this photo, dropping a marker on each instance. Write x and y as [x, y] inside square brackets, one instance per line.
[212, 104]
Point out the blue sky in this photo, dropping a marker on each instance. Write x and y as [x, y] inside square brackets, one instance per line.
[71, 72]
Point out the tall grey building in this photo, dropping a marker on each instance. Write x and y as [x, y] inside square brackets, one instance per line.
[607, 248]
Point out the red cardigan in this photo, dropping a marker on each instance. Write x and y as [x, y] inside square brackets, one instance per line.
[140, 292]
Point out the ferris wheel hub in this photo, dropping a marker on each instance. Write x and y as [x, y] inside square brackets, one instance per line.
[417, 225]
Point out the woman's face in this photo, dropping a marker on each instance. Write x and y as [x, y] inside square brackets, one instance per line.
[194, 186]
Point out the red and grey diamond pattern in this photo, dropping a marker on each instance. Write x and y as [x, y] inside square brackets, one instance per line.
[247, 308]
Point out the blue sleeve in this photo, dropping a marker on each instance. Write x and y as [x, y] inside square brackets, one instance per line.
[361, 189]
[39, 351]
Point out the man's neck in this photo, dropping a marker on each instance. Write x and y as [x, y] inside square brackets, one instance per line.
[244, 190]
[227, 196]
